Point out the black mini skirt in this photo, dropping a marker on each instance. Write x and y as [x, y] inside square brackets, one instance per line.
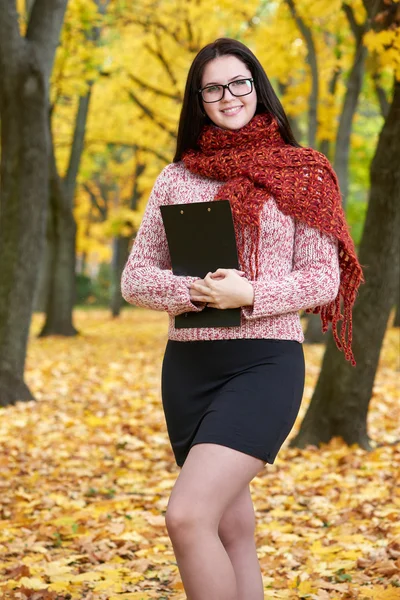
[242, 393]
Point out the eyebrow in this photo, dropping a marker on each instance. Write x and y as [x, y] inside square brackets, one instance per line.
[229, 80]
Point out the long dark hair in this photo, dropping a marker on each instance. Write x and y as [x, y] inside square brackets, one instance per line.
[193, 118]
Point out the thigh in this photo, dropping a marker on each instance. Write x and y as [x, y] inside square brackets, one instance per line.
[238, 520]
[210, 480]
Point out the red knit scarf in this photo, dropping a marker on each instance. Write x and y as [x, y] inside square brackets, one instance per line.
[256, 163]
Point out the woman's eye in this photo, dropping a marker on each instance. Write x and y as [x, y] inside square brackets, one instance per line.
[239, 83]
[212, 89]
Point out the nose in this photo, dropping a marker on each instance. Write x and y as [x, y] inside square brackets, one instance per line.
[227, 91]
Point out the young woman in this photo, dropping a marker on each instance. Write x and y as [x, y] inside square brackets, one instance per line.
[231, 394]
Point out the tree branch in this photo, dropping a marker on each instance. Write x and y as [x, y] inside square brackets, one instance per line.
[156, 24]
[373, 7]
[384, 103]
[44, 29]
[294, 125]
[57, 82]
[354, 84]
[150, 114]
[382, 14]
[138, 170]
[312, 61]
[81, 119]
[159, 55]
[358, 30]
[102, 210]
[189, 30]
[77, 146]
[154, 89]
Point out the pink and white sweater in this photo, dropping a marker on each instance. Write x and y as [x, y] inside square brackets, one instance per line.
[298, 267]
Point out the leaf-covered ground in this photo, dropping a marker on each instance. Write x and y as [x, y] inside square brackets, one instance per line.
[86, 472]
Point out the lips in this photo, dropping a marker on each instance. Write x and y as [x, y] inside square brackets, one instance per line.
[232, 110]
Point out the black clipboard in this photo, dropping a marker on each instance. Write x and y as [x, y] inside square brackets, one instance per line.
[201, 238]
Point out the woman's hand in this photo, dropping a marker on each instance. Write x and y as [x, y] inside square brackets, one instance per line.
[225, 288]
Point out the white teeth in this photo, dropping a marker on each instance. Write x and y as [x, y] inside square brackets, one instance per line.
[232, 110]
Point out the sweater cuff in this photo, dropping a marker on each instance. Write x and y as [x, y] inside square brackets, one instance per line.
[186, 304]
[254, 311]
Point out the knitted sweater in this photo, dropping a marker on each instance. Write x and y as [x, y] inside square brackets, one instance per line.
[298, 267]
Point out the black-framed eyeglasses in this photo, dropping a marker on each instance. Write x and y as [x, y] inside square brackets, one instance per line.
[215, 92]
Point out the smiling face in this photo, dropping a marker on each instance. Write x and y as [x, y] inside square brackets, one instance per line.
[232, 112]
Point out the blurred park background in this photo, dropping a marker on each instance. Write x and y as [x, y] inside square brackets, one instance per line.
[90, 96]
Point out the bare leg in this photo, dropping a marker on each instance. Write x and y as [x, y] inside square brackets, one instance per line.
[236, 531]
[210, 480]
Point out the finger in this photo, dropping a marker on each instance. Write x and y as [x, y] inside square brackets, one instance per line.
[204, 296]
[208, 279]
[200, 289]
[199, 298]
[221, 272]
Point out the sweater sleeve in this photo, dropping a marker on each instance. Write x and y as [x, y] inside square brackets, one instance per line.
[314, 280]
[147, 279]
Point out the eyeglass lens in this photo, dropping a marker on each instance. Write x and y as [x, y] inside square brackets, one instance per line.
[240, 87]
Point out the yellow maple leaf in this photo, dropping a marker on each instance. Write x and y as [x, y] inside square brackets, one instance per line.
[32, 583]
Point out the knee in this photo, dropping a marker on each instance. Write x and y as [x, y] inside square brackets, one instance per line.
[237, 528]
[174, 518]
[182, 521]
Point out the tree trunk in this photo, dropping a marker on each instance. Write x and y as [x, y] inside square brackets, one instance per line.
[62, 235]
[312, 61]
[340, 402]
[396, 322]
[25, 66]
[325, 145]
[121, 244]
[42, 288]
[342, 148]
[354, 85]
[119, 258]
[24, 171]
[293, 122]
[313, 333]
[62, 289]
